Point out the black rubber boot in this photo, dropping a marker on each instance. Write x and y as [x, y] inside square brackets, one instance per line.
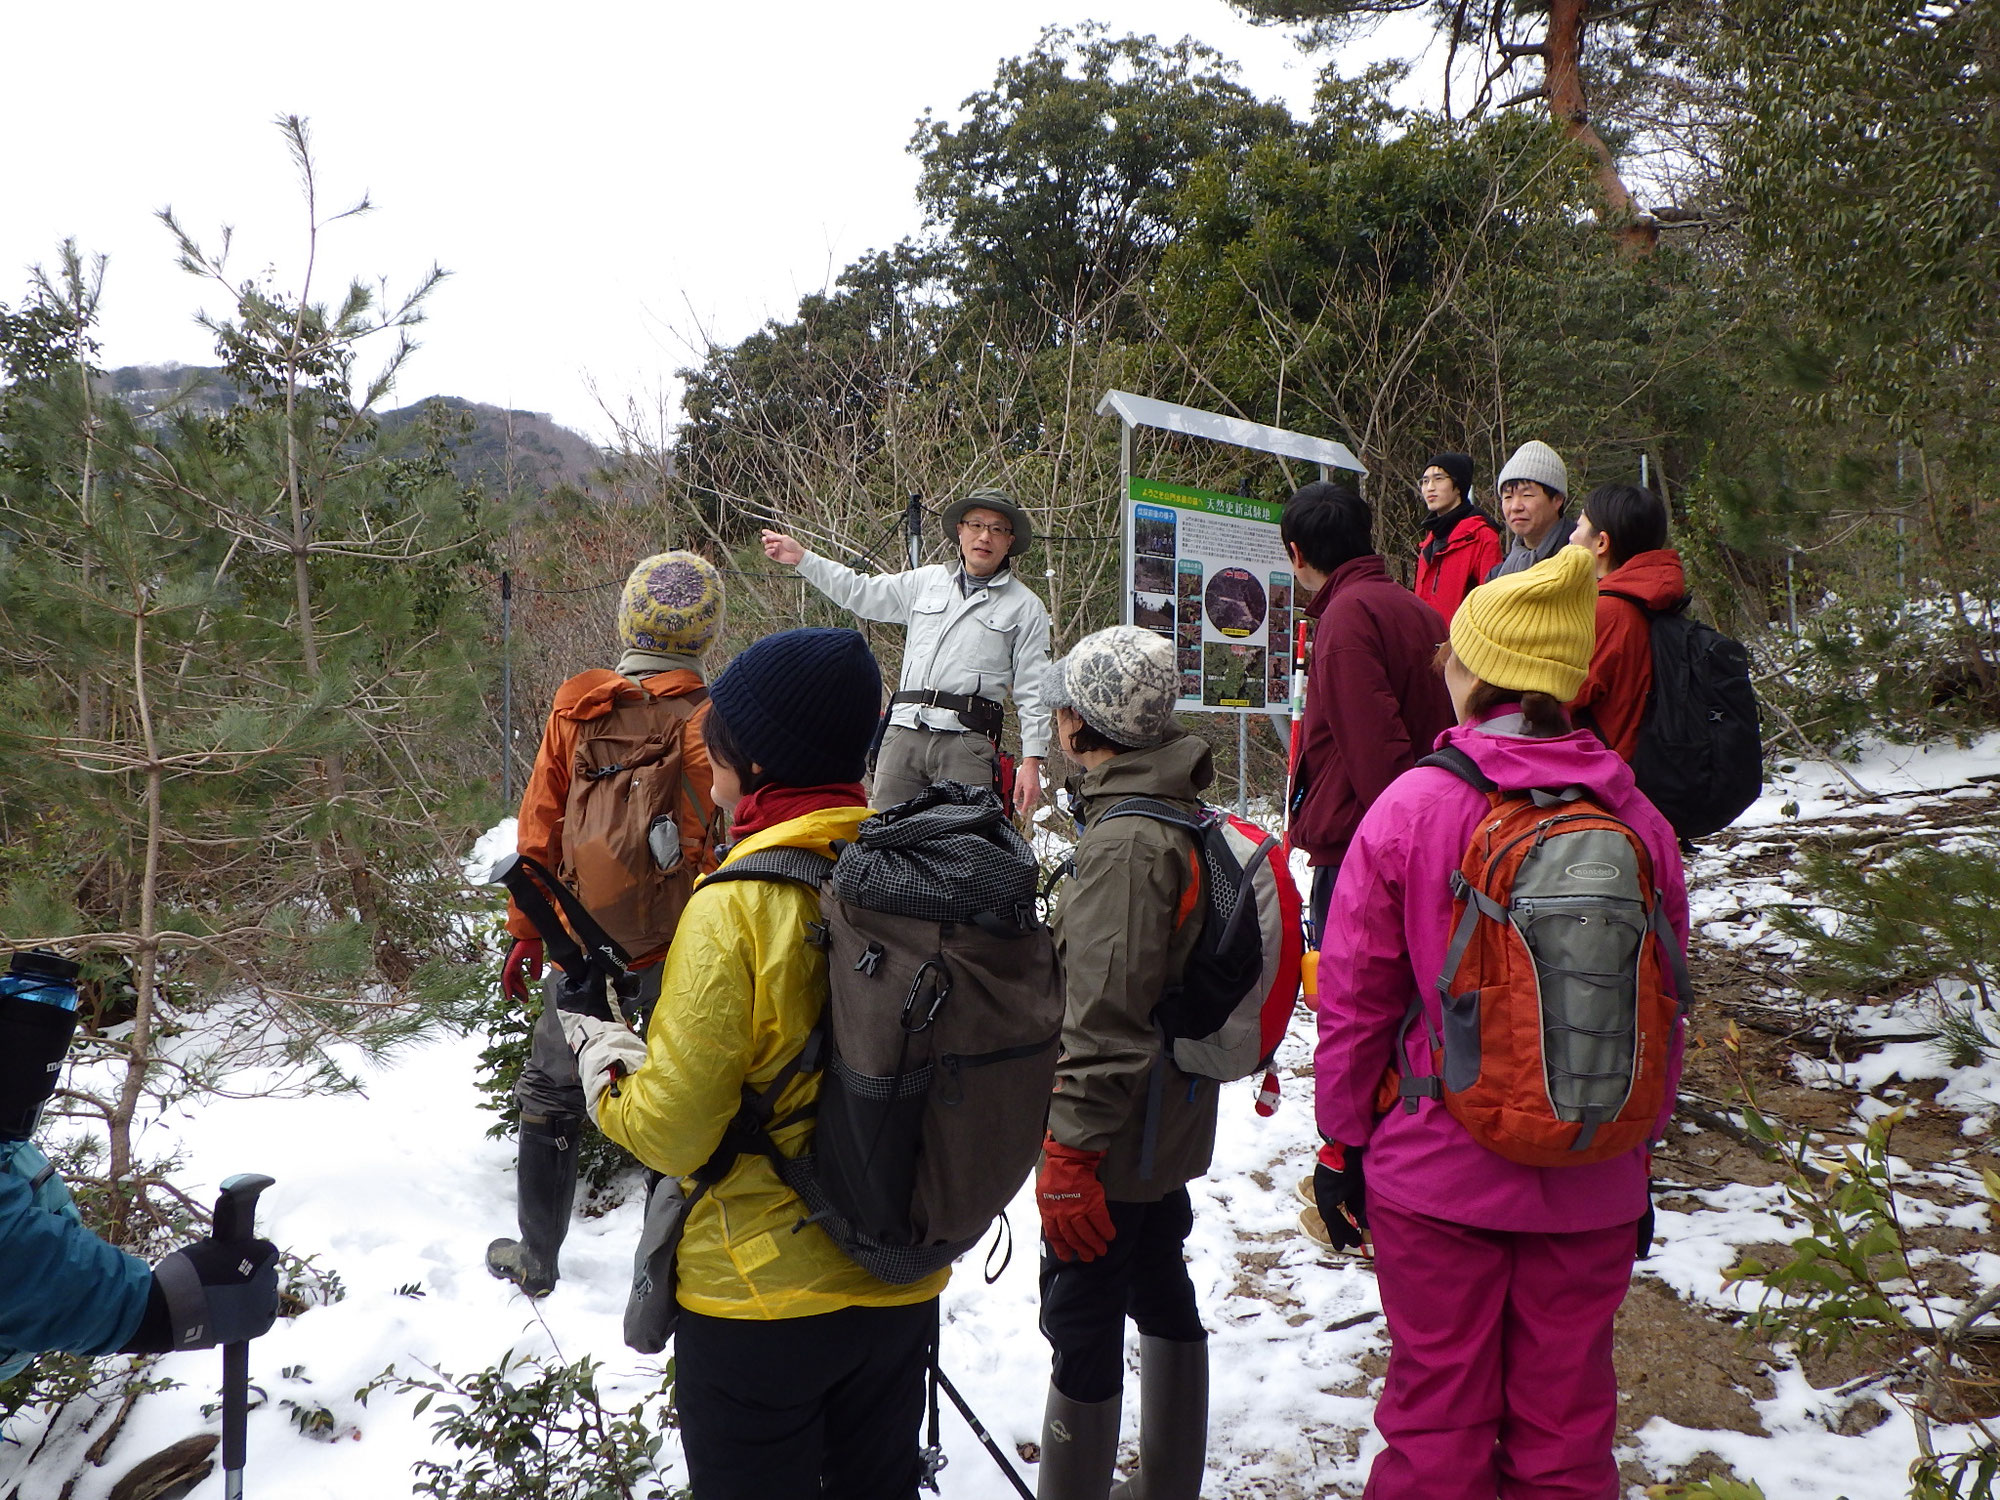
[1173, 1421]
[1079, 1447]
[545, 1184]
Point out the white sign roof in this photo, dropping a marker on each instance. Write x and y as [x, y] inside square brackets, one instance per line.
[1144, 411]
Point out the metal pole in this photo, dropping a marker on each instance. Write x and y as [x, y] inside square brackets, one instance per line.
[507, 687]
[1125, 514]
[1902, 585]
[1242, 763]
[1791, 590]
[913, 524]
[1645, 473]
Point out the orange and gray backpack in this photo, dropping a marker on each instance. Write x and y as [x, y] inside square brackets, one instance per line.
[637, 832]
[1557, 1016]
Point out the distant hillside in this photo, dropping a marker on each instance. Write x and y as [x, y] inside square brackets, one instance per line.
[508, 449]
[523, 450]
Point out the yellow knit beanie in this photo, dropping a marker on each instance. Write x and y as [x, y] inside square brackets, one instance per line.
[1534, 630]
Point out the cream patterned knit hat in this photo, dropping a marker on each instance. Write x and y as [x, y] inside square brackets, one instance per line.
[1122, 682]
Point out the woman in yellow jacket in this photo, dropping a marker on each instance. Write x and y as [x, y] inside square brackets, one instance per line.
[797, 1373]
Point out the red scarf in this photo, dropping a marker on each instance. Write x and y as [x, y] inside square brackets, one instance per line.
[769, 806]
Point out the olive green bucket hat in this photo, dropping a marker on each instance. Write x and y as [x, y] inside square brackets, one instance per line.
[994, 500]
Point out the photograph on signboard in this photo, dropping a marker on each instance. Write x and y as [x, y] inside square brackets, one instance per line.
[1154, 612]
[1232, 675]
[1190, 614]
[1153, 531]
[1191, 684]
[1190, 658]
[1190, 576]
[1152, 575]
[1235, 602]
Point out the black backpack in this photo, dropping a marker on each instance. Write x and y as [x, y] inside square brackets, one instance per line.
[1700, 757]
[937, 1047]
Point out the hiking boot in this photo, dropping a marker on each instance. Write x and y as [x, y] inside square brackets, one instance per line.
[1314, 1229]
[1173, 1421]
[545, 1187]
[1079, 1447]
[509, 1260]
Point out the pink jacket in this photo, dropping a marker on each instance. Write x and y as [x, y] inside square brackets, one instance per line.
[1388, 929]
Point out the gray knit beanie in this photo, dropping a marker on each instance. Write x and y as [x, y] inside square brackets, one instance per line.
[1122, 682]
[1537, 461]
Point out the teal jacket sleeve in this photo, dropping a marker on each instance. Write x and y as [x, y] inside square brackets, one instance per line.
[61, 1287]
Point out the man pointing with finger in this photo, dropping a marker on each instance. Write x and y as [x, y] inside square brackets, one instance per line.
[976, 635]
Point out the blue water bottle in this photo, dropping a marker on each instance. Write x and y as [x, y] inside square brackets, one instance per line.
[37, 974]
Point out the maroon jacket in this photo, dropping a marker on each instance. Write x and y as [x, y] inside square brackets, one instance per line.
[1448, 573]
[1374, 704]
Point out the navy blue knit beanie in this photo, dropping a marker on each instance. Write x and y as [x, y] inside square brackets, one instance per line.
[802, 704]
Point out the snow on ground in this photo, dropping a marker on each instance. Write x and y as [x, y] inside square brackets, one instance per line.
[397, 1190]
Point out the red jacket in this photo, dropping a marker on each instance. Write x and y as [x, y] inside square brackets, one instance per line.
[1613, 698]
[1374, 704]
[1471, 552]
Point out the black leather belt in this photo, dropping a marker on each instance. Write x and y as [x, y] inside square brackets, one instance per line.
[981, 715]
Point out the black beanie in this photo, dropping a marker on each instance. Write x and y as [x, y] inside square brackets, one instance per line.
[1459, 467]
[802, 704]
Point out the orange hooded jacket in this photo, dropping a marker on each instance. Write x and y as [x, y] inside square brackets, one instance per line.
[590, 695]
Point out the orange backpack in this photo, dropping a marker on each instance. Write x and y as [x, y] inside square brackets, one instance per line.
[1557, 1020]
[636, 831]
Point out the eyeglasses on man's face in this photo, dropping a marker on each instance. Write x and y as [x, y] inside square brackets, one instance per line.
[987, 528]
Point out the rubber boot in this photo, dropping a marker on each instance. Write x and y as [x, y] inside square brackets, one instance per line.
[1173, 1421]
[545, 1184]
[1079, 1447]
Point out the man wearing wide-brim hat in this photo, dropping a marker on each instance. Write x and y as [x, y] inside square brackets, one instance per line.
[976, 636]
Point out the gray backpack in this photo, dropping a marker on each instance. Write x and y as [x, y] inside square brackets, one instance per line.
[937, 1048]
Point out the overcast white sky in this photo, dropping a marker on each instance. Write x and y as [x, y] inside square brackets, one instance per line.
[601, 179]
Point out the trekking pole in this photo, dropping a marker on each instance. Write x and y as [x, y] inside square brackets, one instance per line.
[943, 1382]
[913, 526]
[235, 1222]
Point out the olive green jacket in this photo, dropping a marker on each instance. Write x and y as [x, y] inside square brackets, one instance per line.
[1125, 925]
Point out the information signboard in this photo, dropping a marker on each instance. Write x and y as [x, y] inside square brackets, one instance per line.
[1209, 572]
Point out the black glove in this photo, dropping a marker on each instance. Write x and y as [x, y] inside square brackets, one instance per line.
[1341, 1196]
[591, 998]
[209, 1293]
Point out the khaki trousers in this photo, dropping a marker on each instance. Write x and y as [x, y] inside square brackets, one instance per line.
[911, 759]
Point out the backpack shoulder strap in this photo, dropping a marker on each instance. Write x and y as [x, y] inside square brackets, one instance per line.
[1154, 808]
[1463, 766]
[799, 866]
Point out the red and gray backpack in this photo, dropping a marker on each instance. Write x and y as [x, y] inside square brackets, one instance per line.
[1557, 1016]
[1224, 1019]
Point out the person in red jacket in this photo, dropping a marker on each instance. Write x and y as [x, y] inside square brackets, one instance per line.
[1624, 528]
[1461, 542]
[1373, 703]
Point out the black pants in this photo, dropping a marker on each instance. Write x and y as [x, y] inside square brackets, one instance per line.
[820, 1408]
[1143, 1276]
[1321, 898]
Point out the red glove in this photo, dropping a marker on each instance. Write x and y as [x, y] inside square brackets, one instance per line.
[524, 962]
[1075, 1220]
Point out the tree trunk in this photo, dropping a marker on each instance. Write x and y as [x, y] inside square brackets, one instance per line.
[1563, 57]
[139, 1049]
